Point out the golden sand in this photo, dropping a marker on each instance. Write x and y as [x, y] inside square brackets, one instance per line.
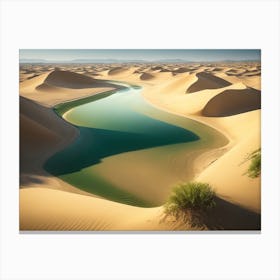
[48, 203]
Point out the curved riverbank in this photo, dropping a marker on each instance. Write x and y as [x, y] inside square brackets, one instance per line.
[49, 203]
[223, 168]
[128, 151]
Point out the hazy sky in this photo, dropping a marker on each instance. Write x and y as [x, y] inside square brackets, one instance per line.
[146, 54]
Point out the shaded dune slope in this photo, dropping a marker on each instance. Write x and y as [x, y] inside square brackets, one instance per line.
[231, 102]
[34, 135]
[71, 80]
[56, 87]
[207, 81]
[41, 133]
[116, 70]
[146, 76]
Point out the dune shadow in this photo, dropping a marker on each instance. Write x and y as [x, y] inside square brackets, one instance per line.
[207, 81]
[224, 216]
[229, 216]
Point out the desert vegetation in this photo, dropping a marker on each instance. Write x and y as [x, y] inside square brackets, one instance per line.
[190, 196]
[254, 169]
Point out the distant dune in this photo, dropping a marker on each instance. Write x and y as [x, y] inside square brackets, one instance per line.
[156, 68]
[116, 70]
[226, 96]
[67, 79]
[181, 70]
[146, 76]
[207, 81]
[232, 102]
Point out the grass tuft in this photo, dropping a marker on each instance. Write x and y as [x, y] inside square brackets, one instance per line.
[190, 196]
[254, 169]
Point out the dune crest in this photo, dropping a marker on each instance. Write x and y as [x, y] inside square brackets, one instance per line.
[181, 70]
[69, 79]
[207, 81]
[116, 70]
[227, 97]
[232, 102]
[54, 87]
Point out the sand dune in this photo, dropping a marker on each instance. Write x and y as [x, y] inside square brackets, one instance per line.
[207, 81]
[233, 71]
[44, 116]
[146, 76]
[232, 102]
[164, 70]
[42, 133]
[171, 94]
[156, 68]
[116, 71]
[181, 70]
[227, 173]
[58, 86]
[35, 139]
[45, 209]
[217, 69]
[243, 131]
[175, 85]
[233, 111]
[69, 79]
[249, 81]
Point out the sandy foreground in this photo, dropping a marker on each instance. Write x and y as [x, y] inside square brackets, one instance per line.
[220, 96]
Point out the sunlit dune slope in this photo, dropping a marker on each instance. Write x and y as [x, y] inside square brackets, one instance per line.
[226, 98]
[46, 209]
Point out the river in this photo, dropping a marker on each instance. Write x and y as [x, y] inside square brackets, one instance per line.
[129, 151]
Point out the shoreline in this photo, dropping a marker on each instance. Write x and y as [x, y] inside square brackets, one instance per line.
[50, 181]
[215, 153]
[195, 159]
[50, 195]
[243, 134]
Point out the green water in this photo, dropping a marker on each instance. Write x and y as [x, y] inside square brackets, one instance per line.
[118, 122]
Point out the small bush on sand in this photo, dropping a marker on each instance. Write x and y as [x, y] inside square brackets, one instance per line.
[190, 196]
[254, 169]
[255, 166]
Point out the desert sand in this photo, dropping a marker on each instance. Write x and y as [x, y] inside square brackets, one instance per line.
[223, 96]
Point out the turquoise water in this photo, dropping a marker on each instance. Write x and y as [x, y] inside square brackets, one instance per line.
[117, 123]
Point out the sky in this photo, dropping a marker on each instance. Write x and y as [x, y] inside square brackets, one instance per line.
[63, 55]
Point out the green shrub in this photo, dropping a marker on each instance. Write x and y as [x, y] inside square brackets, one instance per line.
[190, 196]
[254, 169]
